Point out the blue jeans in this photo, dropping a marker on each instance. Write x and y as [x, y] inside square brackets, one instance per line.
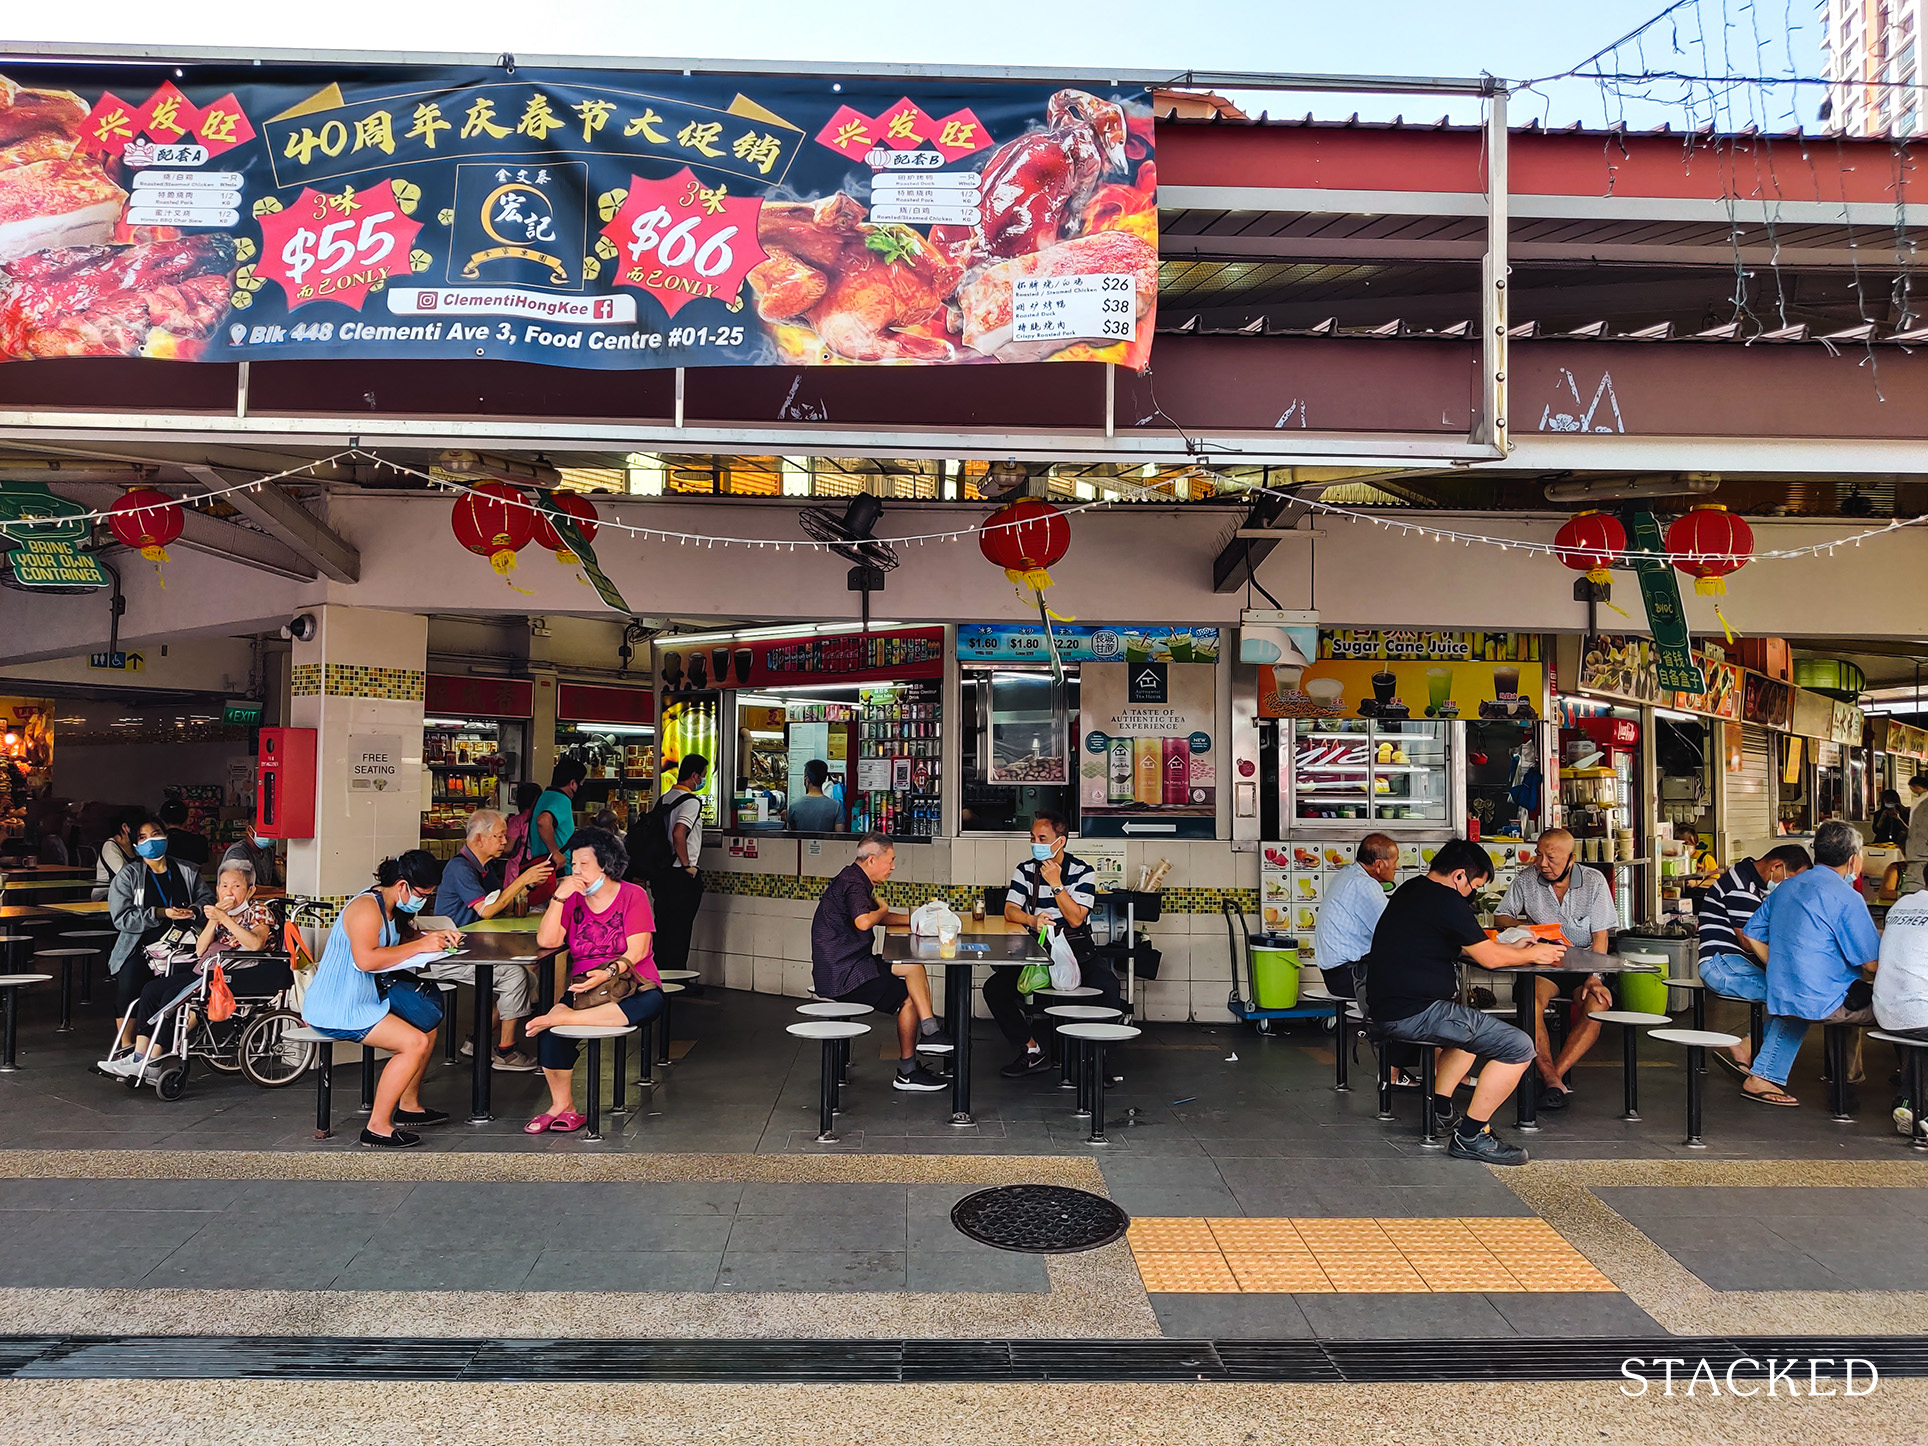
[1781, 1041]
[1734, 976]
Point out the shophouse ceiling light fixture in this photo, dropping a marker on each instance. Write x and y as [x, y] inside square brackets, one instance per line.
[1628, 489]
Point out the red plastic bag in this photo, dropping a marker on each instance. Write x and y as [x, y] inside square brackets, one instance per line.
[220, 997]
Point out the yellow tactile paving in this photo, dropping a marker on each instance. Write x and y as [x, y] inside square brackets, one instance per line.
[1358, 1255]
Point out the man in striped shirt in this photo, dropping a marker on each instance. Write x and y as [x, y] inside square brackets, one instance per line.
[1730, 962]
[1052, 886]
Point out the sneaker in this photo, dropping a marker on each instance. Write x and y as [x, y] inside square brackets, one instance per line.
[468, 1049]
[1029, 1062]
[918, 1079]
[1444, 1120]
[121, 1067]
[1486, 1147]
[1904, 1119]
[938, 1043]
[513, 1061]
[400, 1140]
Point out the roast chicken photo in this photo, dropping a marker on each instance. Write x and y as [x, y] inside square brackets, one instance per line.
[1059, 200]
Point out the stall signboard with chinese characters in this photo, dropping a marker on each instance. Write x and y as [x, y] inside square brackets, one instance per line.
[586, 218]
[1621, 664]
[1148, 761]
[1397, 690]
[902, 655]
[1725, 692]
[1675, 668]
[1079, 643]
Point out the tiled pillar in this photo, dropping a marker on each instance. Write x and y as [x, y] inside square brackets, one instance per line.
[359, 683]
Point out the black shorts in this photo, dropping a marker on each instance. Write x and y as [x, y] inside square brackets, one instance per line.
[884, 993]
[1566, 981]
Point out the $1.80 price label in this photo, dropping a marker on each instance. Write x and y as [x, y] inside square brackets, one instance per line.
[337, 248]
[682, 241]
[1100, 306]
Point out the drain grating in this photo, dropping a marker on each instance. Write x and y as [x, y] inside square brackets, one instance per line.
[1040, 1219]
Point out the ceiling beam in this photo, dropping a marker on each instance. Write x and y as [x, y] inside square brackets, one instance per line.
[211, 535]
[287, 520]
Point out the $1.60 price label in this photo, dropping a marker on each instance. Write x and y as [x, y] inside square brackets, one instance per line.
[337, 248]
[682, 241]
[1100, 306]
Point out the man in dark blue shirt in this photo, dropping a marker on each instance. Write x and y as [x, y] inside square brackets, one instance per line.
[844, 964]
[471, 890]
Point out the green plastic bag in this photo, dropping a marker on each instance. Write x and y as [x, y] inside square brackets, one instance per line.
[1033, 977]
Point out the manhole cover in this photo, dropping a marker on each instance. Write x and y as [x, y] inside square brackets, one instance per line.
[1039, 1219]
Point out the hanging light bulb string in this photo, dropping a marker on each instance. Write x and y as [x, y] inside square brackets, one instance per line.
[195, 499]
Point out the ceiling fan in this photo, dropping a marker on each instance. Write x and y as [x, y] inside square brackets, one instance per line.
[849, 536]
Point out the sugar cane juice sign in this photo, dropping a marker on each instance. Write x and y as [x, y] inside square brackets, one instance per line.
[579, 218]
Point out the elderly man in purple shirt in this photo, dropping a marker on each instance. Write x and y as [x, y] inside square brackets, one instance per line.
[844, 964]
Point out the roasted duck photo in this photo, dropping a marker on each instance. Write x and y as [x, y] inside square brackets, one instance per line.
[1059, 200]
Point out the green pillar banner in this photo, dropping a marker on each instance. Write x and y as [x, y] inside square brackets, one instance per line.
[1674, 663]
[42, 535]
[572, 538]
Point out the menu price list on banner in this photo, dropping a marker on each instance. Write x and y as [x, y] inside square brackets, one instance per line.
[947, 198]
[1056, 308]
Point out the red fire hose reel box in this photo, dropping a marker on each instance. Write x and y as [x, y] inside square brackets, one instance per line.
[284, 793]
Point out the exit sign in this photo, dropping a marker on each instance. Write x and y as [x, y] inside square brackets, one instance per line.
[241, 715]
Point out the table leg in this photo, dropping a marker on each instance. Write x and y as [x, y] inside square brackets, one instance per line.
[619, 1079]
[1693, 1140]
[66, 1025]
[1066, 1053]
[87, 979]
[957, 1012]
[1381, 1055]
[1082, 1063]
[449, 1055]
[1526, 1097]
[1095, 1062]
[7, 1064]
[827, 1099]
[1342, 1047]
[646, 1075]
[1630, 1066]
[1428, 1116]
[662, 1035]
[1917, 1077]
[1699, 1056]
[367, 1106]
[594, 1091]
[484, 1053]
[325, 1090]
[546, 984]
[1838, 1053]
[843, 1063]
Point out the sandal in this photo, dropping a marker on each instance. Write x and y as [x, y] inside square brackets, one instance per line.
[1554, 1098]
[1732, 1065]
[1780, 1098]
[567, 1123]
[539, 1124]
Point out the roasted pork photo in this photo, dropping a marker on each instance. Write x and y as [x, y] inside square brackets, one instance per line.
[158, 298]
[985, 298]
[56, 203]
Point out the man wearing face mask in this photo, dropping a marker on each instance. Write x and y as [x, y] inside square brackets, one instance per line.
[1052, 886]
[1556, 890]
[258, 854]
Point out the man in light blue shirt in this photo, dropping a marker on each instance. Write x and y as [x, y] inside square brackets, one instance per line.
[1354, 899]
[1821, 944]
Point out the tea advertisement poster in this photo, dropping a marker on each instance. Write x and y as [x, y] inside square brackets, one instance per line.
[1149, 756]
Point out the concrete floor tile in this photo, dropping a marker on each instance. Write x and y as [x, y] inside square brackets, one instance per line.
[954, 1272]
[812, 1270]
[382, 1265]
[1220, 1317]
[603, 1269]
[1395, 1316]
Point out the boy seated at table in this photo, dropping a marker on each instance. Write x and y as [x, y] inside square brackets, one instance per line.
[1412, 983]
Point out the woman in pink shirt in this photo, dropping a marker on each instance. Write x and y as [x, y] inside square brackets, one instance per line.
[607, 924]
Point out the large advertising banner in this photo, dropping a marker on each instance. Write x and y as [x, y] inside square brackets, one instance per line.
[580, 218]
[1150, 749]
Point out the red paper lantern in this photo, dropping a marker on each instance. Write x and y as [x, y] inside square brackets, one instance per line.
[148, 519]
[1709, 543]
[1591, 542]
[495, 521]
[577, 507]
[1025, 538]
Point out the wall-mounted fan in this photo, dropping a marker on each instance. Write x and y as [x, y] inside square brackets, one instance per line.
[850, 538]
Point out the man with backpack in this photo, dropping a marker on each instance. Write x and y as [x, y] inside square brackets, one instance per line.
[665, 846]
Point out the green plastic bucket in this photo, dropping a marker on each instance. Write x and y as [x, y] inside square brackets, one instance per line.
[1644, 993]
[1275, 977]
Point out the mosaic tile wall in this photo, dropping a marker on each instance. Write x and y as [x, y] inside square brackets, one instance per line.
[304, 680]
[901, 895]
[351, 680]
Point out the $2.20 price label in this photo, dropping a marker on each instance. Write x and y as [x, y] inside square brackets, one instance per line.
[337, 248]
[682, 241]
[1068, 308]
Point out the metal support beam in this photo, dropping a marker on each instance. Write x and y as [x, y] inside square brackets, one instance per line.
[1491, 429]
[288, 521]
[210, 535]
[1239, 559]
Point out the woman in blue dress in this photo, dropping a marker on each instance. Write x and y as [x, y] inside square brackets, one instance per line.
[373, 935]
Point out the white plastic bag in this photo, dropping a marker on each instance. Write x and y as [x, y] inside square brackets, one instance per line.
[933, 916]
[1065, 973]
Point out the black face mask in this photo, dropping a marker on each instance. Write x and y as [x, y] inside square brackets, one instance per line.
[1565, 874]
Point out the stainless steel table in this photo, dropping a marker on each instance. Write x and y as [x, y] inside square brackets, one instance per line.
[1526, 1098]
[999, 944]
[486, 950]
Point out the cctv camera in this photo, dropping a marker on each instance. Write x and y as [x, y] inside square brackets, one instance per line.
[300, 629]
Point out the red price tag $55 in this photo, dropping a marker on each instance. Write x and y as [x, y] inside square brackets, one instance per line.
[336, 248]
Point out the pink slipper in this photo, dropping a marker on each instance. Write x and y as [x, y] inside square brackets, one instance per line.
[539, 1124]
[567, 1123]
